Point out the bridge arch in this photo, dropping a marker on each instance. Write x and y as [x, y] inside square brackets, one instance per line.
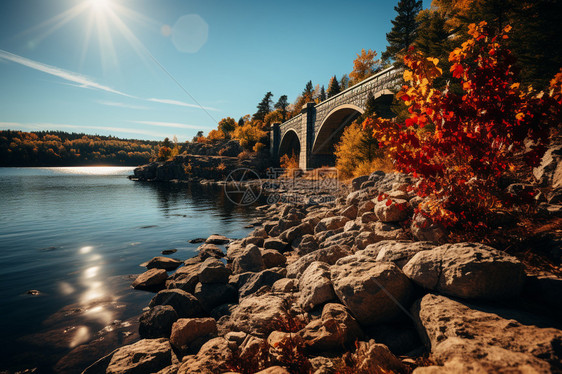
[330, 130]
[290, 144]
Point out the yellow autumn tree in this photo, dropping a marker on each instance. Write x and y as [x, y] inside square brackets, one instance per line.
[364, 66]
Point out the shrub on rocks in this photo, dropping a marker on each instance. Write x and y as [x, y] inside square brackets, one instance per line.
[373, 291]
[315, 286]
[157, 322]
[467, 270]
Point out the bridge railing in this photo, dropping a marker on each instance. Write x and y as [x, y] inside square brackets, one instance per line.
[382, 76]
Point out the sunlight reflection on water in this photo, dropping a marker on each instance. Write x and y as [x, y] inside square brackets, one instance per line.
[88, 170]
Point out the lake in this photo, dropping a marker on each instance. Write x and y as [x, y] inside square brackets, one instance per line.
[77, 235]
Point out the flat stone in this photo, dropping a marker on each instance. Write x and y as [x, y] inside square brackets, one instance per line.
[151, 278]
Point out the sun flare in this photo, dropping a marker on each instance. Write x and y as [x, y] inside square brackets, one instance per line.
[99, 5]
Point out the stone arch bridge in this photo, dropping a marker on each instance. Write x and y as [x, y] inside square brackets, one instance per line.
[313, 133]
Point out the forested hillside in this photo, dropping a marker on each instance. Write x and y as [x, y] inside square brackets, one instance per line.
[57, 148]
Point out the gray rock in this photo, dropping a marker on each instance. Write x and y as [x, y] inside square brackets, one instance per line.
[336, 330]
[256, 315]
[397, 211]
[213, 271]
[186, 331]
[544, 173]
[163, 263]
[185, 304]
[211, 295]
[331, 223]
[151, 278]
[217, 239]
[467, 270]
[249, 260]
[315, 286]
[157, 322]
[374, 292]
[145, 356]
[467, 338]
[272, 258]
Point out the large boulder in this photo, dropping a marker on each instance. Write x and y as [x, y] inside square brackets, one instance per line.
[397, 251]
[186, 331]
[213, 271]
[249, 260]
[373, 291]
[467, 338]
[161, 262]
[467, 270]
[157, 322]
[334, 331]
[151, 278]
[145, 356]
[256, 315]
[315, 286]
[185, 304]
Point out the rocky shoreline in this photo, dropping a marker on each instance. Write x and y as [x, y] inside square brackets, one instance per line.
[342, 286]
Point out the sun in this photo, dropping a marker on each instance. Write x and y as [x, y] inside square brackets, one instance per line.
[100, 5]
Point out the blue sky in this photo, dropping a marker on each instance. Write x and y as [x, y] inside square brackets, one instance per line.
[142, 68]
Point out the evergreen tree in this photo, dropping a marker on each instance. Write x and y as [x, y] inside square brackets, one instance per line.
[322, 94]
[281, 105]
[240, 122]
[264, 107]
[308, 92]
[334, 87]
[344, 82]
[404, 29]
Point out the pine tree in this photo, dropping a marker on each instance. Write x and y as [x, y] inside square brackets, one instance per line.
[344, 82]
[334, 87]
[282, 105]
[240, 122]
[264, 107]
[404, 29]
[308, 92]
[322, 94]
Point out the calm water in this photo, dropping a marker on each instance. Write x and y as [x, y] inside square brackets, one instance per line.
[76, 235]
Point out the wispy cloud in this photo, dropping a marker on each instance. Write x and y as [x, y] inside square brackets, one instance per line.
[56, 126]
[82, 81]
[181, 103]
[79, 79]
[170, 125]
[121, 105]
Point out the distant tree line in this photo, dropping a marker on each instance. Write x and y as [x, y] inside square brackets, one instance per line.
[58, 148]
